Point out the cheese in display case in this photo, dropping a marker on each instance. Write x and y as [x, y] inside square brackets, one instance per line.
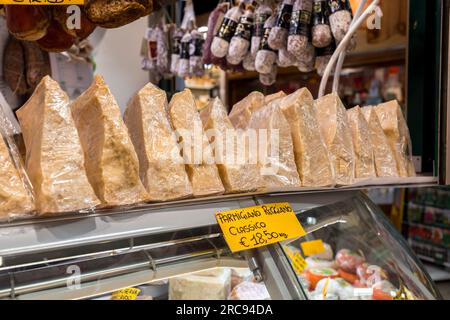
[361, 257]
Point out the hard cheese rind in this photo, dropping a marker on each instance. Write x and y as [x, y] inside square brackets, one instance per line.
[111, 161]
[385, 165]
[397, 134]
[275, 148]
[242, 111]
[237, 174]
[54, 162]
[332, 119]
[197, 152]
[161, 166]
[362, 144]
[311, 155]
[15, 198]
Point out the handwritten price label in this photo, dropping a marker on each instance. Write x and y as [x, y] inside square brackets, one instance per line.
[310, 248]
[259, 226]
[298, 262]
[42, 2]
[126, 294]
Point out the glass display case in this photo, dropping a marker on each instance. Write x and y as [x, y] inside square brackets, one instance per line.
[176, 251]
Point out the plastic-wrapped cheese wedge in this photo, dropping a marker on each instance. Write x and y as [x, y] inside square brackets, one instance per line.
[385, 165]
[15, 198]
[111, 162]
[397, 133]
[237, 174]
[332, 117]
[311, 155]
[271, 97]
[208, 285]
[241, 112]
[364, 159]
[197, 152]
[54, 161]
[276, 152]
[161, 166]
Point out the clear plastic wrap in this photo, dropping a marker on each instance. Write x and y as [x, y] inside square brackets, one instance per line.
[207, 285]
[397, 133]
[237, 174]
[241, 112]
[271, 97]
[275, 148]
[112, 165]
[161, 166]
[311, 154]
[16, 192]
[54, 162]
[364, 161]
[385, 164]
[332, 118]
[197, 152]
[249, 291]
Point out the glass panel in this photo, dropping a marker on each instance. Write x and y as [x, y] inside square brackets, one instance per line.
[221, 283]
[362, 256]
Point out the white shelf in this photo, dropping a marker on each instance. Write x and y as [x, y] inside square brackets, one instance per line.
[437, 274]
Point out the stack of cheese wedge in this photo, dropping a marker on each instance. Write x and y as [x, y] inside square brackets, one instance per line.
[83, 155]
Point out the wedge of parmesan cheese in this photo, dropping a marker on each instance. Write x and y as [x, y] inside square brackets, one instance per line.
[201, 286]
[332, 118]
[384, 159]
[271, 97]
[15, 198]
[362, 144]
[195, 147]
[311, 155]
[111, 162]
[242, 111]
[276, 158]
[161, 166]
[54, 161]
[237, 174]
[397, 133]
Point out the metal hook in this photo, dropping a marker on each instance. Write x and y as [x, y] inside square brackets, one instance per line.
[151, 260]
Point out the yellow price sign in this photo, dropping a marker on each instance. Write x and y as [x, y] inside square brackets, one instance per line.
[259, 226]
[298, 262]
[42, 2]
[310, 248]
[126, 294]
